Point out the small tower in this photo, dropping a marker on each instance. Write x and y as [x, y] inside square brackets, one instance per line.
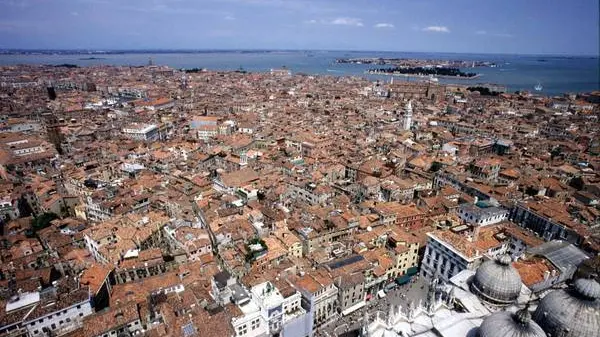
[407, 121]
[183, 81]
[243, 158]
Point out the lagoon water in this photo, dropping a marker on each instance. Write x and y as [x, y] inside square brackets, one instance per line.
[557, 74]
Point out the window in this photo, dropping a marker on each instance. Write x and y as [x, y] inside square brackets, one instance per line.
[242, 330]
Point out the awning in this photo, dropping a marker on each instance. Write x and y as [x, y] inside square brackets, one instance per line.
[381, 294]
[404, 279]
[412, 271]
[353, 308]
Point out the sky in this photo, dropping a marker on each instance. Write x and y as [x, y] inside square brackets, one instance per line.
[483, 26]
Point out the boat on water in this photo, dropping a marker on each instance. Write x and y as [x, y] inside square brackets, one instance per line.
[538, 87]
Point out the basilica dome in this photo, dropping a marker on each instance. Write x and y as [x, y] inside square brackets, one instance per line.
[497, 281]
[573, 312]
[508, 324]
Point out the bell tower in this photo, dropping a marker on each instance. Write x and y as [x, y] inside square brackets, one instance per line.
[407, 121]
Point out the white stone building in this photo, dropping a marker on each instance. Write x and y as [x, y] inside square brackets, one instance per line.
[482, 216]
[56, 310]
[146, 132]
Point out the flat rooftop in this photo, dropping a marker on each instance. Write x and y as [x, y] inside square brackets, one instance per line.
[268, 294]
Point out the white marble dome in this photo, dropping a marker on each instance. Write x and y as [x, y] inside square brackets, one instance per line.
[573, 312]
[497, 281]
[508, 324]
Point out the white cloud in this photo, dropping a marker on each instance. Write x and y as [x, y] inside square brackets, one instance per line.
[437, 29]
[74, 13]
[481, 32]
[312, 22]
[384, 25]
[229, 18]
[347, 22]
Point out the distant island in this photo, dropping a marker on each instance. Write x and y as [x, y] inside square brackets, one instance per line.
[423, 71]
[92, 58]
[405, 62]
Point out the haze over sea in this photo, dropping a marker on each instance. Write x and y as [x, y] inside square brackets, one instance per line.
[557, 74]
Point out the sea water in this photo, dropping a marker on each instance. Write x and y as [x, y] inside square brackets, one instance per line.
[557, 74]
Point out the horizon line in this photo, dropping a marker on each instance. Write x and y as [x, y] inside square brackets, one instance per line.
[174, 50]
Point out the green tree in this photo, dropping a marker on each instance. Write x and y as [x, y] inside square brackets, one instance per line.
[24, 208]
[556, 151]
[435, 166]
[42, 221]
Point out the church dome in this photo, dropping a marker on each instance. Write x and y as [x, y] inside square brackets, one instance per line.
[573, 312]
[508, 324]
[497, 281]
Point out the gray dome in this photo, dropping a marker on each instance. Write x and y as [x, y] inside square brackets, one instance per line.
[574, 312]
[497, 281]
[507, 324]
[587, 288]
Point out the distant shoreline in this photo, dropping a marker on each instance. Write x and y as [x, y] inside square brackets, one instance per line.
[33, 51]
[579, 75]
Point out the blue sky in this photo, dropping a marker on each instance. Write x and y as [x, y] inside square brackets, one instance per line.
[483, 26]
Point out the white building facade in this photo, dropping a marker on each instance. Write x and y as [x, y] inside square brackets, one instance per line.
[482, 216]
[443, 261]
[146, 132]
